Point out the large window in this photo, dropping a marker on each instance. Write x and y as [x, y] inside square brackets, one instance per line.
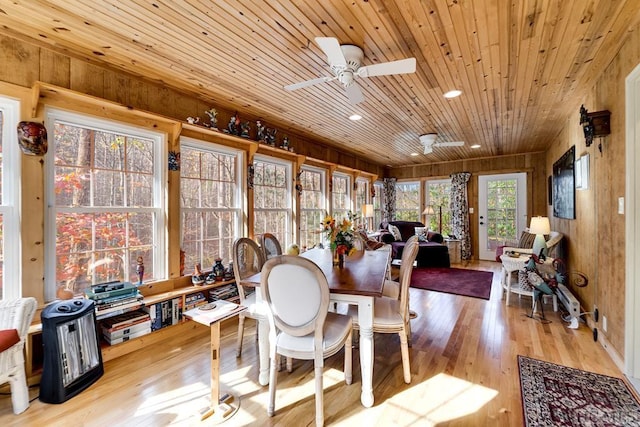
[209, 202]
[362, 194]
[438, 195]
[408, 201]
[105, 194]
[312, 206]
[10, 279]
[341, 195]
[272, 198]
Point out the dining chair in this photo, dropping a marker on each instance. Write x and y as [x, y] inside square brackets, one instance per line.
[300, 326]
[247, 260]
[391, 315]
[15, 317]
[391, 288]
[270, 246]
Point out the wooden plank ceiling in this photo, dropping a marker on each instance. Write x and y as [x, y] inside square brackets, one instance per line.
[521, 64]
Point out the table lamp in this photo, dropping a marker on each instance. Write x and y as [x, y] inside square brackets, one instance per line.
[539, 226]
[367, 212]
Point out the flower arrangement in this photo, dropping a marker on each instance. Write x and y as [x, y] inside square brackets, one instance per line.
[340, 234]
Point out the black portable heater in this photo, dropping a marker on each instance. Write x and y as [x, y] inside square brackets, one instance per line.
[72, 359]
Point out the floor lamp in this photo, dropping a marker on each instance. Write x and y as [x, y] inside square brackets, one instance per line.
[427, 212]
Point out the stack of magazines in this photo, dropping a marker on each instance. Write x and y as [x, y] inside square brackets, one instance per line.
[125, 326]
[114, 298]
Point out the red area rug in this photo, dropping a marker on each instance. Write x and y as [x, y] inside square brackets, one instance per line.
[555, 395]
[458, 281]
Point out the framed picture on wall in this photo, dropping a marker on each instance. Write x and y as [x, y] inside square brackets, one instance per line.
[564, 193]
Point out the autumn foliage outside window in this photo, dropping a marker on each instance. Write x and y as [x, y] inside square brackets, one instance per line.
[106, 205]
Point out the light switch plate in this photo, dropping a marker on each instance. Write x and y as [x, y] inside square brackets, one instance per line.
[621, 205]
[470, 210]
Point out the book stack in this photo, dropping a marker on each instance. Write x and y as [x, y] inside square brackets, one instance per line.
[126, 326]
[195, 299]
[164, 313]
[227, 292]
[114, 298]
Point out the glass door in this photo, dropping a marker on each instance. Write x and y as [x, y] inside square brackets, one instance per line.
[502, 205]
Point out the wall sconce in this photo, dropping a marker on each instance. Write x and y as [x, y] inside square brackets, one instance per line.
[595, 125]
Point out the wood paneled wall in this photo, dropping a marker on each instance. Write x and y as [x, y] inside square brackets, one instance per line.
[532, 163]
[596, 239]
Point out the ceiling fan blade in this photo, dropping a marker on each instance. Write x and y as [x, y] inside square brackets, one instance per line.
[331, 48]
[401, 66]
[309, 83]
[354, 94]
[449, 144]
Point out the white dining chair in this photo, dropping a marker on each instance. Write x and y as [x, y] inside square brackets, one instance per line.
[391, 315]
[391, 288]
[15, 318]
[300, 326]
[247, 261]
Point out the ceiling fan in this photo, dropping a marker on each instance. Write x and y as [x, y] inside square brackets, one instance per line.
[429, 142]
[346, 65]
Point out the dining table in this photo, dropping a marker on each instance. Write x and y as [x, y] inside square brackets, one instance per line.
[357, 283]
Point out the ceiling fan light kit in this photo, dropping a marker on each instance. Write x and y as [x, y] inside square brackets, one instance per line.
[345, 62]
[429, 142]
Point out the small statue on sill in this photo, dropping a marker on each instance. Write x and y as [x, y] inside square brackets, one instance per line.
[198, 277]
[259, 131]
[213, 118]
[140, 269]
[245, 127]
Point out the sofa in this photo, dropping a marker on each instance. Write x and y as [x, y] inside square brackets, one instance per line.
[431, 252]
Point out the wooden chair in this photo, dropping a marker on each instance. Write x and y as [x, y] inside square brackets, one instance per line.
[247, 261]
[391, 288]
[391, 315]
[15, 318]
[300, 325]
[270, 246]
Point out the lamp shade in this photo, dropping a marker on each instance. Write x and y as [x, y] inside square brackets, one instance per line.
[367, 211]
[428, 211]
[540, 225]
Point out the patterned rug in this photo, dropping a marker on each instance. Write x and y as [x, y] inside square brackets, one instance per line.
[555, 395]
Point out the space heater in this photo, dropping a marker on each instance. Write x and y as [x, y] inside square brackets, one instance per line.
[72, 359]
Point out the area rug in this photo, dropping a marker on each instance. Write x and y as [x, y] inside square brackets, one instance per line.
[555, 395]
[459, 281]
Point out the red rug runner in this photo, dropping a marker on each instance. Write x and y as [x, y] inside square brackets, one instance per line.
[459, 281]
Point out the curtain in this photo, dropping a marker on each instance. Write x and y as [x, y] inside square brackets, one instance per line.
[459, 206]
[389, 208]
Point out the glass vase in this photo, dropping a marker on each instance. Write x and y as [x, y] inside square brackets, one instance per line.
[336, 257]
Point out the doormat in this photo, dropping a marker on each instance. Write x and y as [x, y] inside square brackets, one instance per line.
[555, 395]
[459, 281]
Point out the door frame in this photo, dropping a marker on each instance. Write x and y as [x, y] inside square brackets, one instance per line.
[522, 209]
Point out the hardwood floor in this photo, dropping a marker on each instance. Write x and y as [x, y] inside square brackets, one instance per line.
[463, 364]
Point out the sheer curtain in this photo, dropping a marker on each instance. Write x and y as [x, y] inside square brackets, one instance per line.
[459, 205]
[389, 208]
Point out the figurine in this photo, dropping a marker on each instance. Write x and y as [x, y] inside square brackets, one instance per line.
[259, 131]
[193, 120]
[197, 278]
[140, 269]
[285, 143]
[218, 270]
[270, 137]
[245, 127]
[213, 118]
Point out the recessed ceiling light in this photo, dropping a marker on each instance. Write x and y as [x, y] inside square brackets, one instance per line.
[453, 93]
[414, 154]
[355, 117]
[475, 146]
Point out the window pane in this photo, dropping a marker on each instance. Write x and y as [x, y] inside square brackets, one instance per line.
[407, 201]
[272, 204]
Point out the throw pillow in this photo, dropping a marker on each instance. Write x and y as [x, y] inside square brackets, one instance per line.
[526, 240]
[396, 233]
[420, 232]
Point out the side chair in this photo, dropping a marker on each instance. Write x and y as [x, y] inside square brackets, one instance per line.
[300, 325]
[270, 246]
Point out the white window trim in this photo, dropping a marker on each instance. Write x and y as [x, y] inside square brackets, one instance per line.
[159, 190]
[11, 190]
[239, 197]
[289, 177]
[323, 186]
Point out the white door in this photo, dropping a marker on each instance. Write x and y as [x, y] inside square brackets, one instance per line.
[502, 211]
